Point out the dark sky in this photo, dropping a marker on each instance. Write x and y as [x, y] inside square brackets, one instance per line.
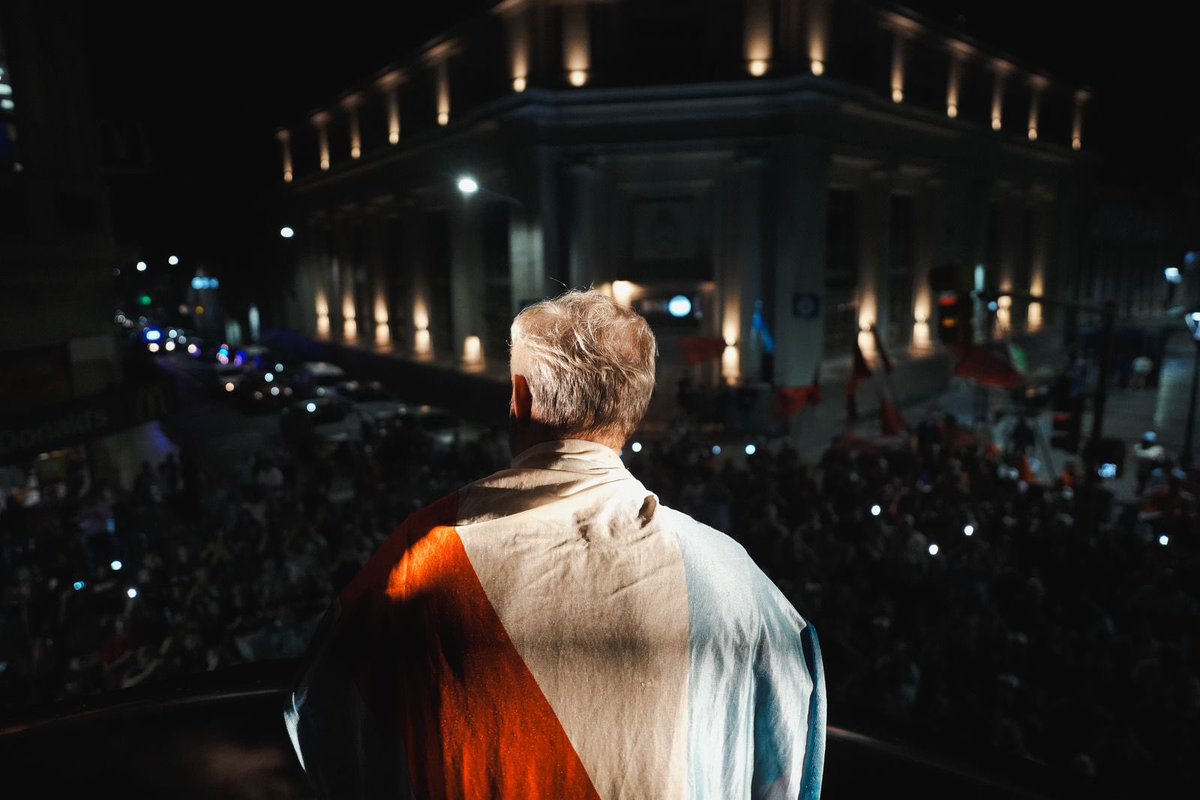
[211, 83]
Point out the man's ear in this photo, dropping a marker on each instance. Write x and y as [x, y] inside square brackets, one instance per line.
[521, 409]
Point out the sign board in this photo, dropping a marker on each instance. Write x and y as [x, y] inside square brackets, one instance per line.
[805, 305]
[85, 418]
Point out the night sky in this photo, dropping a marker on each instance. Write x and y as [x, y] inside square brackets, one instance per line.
[209, 86]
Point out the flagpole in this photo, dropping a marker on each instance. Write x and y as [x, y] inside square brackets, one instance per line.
[887, 366]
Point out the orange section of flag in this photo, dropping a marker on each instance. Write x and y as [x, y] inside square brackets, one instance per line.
[475, 722]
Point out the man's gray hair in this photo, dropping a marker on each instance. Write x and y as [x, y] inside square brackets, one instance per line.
[589, 363]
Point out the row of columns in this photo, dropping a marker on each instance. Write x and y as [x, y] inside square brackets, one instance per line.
[769, 254]
[382, 294]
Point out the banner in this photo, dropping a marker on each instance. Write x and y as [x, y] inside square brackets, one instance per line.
[83, 419]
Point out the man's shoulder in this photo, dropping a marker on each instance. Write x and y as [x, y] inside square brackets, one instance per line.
[705, 541]
[724, 578]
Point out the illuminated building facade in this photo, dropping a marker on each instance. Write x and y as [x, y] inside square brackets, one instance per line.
[790, 168]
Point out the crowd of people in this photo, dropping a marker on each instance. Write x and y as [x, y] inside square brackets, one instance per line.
[960, 604]
[196, 568]
[956, 601]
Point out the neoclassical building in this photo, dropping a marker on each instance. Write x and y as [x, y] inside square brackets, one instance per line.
[792, 169]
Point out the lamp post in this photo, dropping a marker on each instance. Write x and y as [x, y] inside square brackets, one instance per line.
[1185, 457]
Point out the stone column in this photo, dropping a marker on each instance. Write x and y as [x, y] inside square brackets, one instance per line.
[467, 275]
[875, 202]
[800, 194]
[419, 335]
[740, 281]
[584, 208]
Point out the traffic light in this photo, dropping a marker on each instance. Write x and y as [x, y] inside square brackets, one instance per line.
[951, 286]
[955, 312]
[1066, 420]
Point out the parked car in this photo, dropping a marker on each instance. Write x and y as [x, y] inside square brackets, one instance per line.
[262, 391]
[314, 422]
[317, 379]
[371, 400]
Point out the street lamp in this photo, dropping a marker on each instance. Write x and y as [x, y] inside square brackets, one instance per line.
[173, 261]
[468, 185]
[287, 232]
[1185, 458]
[141, 266]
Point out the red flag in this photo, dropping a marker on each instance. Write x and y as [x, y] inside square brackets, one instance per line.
[861, 371]
[890, 421]
[883, 355]
[857, 375]
[1025, 469]
[697, 350]
[790, 400]
[989, 366]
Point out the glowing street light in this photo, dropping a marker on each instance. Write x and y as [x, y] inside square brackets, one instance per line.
[287, 232]
[142, 266]
[173, 261]
[468, 185]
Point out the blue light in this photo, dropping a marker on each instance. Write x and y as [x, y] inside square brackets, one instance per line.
[679, 306]
[131, 593]
[201, 282]
[636, 447]
[311, 408]
[116, 566]
[1108, 471]
[80, 585]
[716, 449]
[751, 449]
[1173, 275]
[153, 335]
